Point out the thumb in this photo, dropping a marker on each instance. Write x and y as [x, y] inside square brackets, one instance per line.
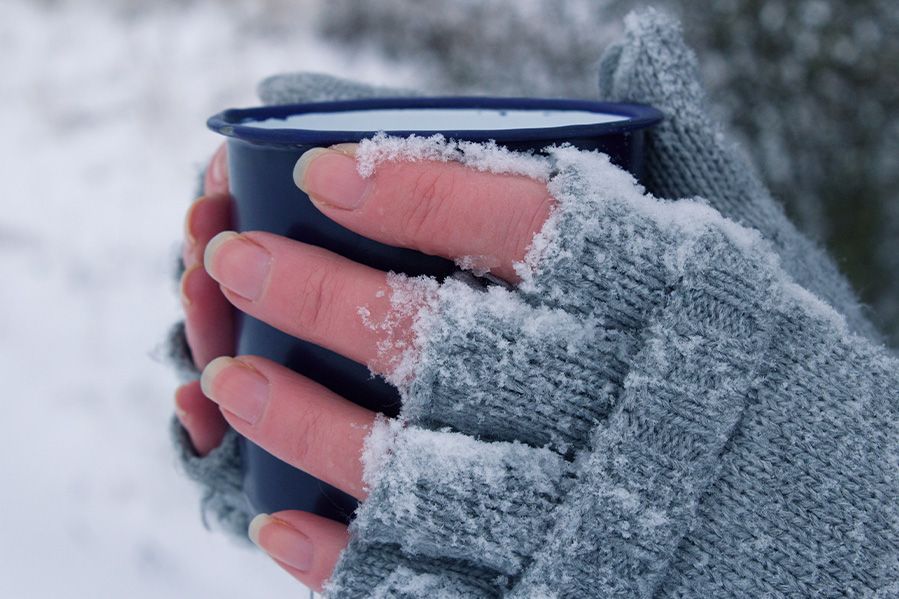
[687, 155]
[654, 65]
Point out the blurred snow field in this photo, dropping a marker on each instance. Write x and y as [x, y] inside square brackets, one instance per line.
[103, 131]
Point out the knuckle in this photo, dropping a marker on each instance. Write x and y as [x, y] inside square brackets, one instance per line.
[317, 292]
[427, 210]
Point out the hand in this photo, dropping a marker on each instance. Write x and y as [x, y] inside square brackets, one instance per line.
[444, 209]
[308, 546]
[209, 325]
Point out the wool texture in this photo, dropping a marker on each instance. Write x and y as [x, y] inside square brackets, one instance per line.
[681, 399]
[749, 449]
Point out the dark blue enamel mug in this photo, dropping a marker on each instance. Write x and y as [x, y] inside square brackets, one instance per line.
[263, 146]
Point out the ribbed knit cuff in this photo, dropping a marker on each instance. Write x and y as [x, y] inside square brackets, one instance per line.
[367, 571]
[590, 259]
[447, 495]
[495, 367]
[220, 478]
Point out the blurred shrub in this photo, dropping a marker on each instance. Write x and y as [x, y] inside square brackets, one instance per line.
[811, 87]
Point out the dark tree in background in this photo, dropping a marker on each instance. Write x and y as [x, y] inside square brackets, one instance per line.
[810, 87]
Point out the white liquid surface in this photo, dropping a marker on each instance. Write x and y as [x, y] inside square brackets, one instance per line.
[436, 119]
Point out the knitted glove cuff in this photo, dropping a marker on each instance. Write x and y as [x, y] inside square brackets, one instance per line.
[590, 259]
[447, 513]
[445, 494]
[369, 570]
[219, 476]
[547, 379]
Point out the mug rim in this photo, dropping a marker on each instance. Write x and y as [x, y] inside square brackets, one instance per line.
[229, 122]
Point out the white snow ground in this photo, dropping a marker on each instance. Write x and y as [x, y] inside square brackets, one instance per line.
[101, 132]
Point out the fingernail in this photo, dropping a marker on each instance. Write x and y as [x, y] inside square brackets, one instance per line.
[329, 176]
[281, 541]
[190, 240]
[236, 387]
[179, 409]
[238, 263]
[184, 287]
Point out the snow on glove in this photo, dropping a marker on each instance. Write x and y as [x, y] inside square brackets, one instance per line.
[754, 438]
[688, 155]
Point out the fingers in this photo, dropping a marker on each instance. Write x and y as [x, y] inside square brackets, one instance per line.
[305, 545]
[438, 208]
[206, 217]
[292, 417]
[200, 417]
[208, 317]
[311, 293]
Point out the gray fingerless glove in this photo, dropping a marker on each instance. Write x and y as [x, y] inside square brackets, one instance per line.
[663, 412]
[688, 154]
[753, 437]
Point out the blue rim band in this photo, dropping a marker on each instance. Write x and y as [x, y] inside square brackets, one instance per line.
[229, 122]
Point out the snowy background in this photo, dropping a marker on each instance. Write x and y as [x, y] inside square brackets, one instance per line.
[102, 120]
[102, 110]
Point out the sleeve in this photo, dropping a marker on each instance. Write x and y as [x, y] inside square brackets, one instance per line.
[750, 450]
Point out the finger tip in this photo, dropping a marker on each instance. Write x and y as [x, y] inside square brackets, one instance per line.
[180, 404]
[213, 246]
[185, 289]
[301, 168]
[211, 371]
[256, 526]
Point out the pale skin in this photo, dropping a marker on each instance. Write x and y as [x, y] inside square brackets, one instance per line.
[443, 209]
